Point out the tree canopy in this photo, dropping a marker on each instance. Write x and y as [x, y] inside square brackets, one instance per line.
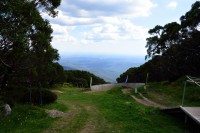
[82, 78]
[174, 50]
[26, 54]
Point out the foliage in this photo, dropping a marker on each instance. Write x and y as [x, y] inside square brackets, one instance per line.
[82, 78]
[174, 48]
[38, 97]
[26, 55]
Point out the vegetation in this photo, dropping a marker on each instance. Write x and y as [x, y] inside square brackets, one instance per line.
[100, 112]
[39, 97]
[82, 78]
[28, 66]
[26, 118]
[174, 48]
[171, 94]
[27, 58]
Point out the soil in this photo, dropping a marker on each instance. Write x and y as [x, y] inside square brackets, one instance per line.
[55, 113]
[144, 101]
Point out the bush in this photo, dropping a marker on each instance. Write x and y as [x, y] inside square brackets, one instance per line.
[37, 97]
[1, 107]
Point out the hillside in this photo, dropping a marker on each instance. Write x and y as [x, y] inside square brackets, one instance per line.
[171, 94]
[82, 78]
[106, 67]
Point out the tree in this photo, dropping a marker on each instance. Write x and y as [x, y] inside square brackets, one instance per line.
[82, 78]
[25, 41]
[162, 39]
[24, 36]
[174, 49]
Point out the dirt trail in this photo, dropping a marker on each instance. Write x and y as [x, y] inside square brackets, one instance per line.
[93, 122]
[60, 125]
[145, 101]
[148, 102]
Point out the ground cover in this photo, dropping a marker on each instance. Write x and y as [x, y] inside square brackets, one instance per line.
[113, 111]
[171, 94]
[25, 119]
[96, 112]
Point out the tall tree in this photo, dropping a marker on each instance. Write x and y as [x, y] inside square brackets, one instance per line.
[174, 48]
[162, 38]
[25, 37]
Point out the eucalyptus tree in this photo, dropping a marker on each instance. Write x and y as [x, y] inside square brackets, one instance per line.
[25, 38]
[163, 37]
[174, 50]
[178, 44]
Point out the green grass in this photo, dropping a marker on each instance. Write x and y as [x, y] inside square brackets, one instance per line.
[25, 119]
[121, 113]
[57, 105]
[100, 112]
[171, 94]
[77, 122]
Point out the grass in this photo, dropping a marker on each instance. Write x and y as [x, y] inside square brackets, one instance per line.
[120, 113]
[25, 119]
[171, 94]
[57, 105]
[100, 112]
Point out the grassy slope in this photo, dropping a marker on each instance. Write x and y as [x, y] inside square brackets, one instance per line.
[102, 112]
[112, 111]
[171, 93]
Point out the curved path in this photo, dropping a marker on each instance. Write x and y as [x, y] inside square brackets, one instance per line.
[143, 100]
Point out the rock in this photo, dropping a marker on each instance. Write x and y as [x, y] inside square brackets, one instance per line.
[55, 113]
[7, 109]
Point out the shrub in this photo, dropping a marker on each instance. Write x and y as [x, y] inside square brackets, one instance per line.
[37, 97]
[1, 107]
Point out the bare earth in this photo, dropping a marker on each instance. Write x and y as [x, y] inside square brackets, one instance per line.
[145, 101]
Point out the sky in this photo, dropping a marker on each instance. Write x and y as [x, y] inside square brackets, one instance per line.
[111, 27]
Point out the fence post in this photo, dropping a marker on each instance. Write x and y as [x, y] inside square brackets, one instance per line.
[183, 93]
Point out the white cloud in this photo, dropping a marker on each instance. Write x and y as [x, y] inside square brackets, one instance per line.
[108, 23]
[63, 19]
[61, 34]
[172, 4]
[122, 29]
[87, 12]
[93, 8]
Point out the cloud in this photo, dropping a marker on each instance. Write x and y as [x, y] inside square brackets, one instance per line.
[121, 29]
[61, 34]
[87, 12]
[93, 8]
[86, 24]
[63, 19]
[172, 4]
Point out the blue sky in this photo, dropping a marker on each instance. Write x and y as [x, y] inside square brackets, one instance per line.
[111, 27]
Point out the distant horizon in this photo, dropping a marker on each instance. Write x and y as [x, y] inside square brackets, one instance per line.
[100, 54]
[108, 67]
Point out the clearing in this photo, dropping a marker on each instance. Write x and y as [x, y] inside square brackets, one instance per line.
[111, 111]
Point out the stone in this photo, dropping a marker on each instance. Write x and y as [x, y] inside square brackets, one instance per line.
[7, 109]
